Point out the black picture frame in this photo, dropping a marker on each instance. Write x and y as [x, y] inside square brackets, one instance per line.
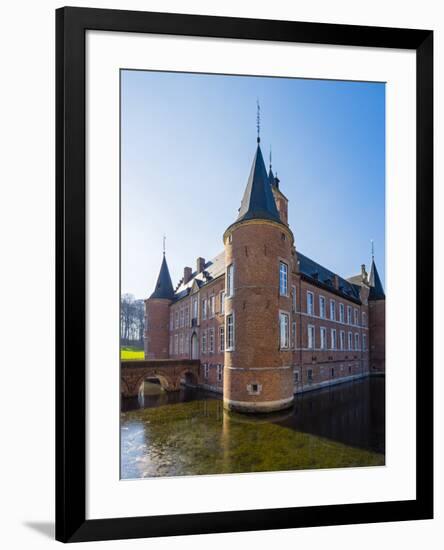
[71, 24]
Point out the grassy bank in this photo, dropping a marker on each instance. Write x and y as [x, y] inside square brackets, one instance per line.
[128, 352]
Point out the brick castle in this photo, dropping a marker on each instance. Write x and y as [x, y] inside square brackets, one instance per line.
[264, 320]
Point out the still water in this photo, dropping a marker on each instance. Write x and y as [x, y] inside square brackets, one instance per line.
[189, 433]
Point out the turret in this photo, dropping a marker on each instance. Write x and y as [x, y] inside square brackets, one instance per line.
[258, 375]
[376, 305]
[157, 315]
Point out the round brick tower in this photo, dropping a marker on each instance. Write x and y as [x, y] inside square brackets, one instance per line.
[376, 310]
[258, 375]
[157, 316]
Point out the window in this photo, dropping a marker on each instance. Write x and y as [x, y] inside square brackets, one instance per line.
[187, 316]
[296, 377]
[195, 308]
[284, 330]
[332, 310]
[181, 343]
[311, 336]
[322, 307]
[341, 313]
[283, 279]
[222, 302]
[212, 305]
[204, 309]
[211, 341]
[293, 298]
[204, 341]
[222, 338]
[364, 319]
[293, 334]
[176, 344]
[349, 315]
[356, 341]
[350, 341]
[182, 317]
[230, 331]
[364, 342]
[342, 339]
[177, 320]
[323, 337]
[206, 370]
[230, 280]
[171, 321]
[310, 302]
[356, 317]
[310, 375]
[219, 373]
[333, 338]
[332, 372]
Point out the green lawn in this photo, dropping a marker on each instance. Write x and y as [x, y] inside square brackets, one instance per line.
[131, 353]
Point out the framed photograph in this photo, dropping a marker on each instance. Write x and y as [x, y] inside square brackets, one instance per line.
[244, 274]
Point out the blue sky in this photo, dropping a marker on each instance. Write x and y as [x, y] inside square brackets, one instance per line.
[187, 143]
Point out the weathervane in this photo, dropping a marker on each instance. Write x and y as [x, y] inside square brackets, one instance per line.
[258, 121]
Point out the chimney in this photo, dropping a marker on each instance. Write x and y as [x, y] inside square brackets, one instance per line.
[363, 273]
[200, 264]
[186, 274]
[336, 281]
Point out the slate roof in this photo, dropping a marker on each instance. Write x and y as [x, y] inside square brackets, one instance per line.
[258, 201]
[310, 270]
[376, 290]
[323, 277]
[164, 286]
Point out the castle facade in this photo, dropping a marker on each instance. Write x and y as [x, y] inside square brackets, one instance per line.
[264, 320]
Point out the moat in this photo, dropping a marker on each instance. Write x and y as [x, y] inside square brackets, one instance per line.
[189, 433]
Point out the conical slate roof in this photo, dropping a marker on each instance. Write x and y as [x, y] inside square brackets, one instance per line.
[376, 290]
[164, 286]
[258, 201]
[273, 180]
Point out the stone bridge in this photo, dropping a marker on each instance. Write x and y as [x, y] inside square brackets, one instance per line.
[170, 374]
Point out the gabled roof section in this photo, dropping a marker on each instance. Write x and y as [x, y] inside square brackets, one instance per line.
[376, 290]
[258, 201]
[164, 286]
[212, 270]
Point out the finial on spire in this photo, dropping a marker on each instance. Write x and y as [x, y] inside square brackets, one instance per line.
[164, 240]
[373, 249]
[270, 157]
[258, 121]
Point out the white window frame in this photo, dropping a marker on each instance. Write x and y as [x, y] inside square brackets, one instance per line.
[211, 341]
[293, 334]
[356, 317]
[206, 370]
[176, 344]
[204, 309]
[364, 319]
[176, 319]
[284, 330]
[341, 312]
[322, 307]
[222, 338]
[222, 301]
[195, 308]
[212, 303]
[333, 342]
[311, 341]
[342, 340]
[283, 278]
[230, 281]
[349, 315]
[229, 346]
[310, 302]
[357, 346]
[204, 341]
[323, 337]
[364, 342]
[333, 310]
[219, 372]
[350, 341]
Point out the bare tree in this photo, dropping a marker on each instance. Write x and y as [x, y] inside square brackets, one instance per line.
[132, 315]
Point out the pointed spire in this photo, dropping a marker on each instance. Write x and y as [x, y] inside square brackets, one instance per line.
[376, 289]
[164, 286]
[258, 201]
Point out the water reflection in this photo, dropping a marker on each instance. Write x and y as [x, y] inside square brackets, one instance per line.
[188, 432]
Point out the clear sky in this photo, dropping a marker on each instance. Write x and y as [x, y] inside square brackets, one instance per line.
[187, 144]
